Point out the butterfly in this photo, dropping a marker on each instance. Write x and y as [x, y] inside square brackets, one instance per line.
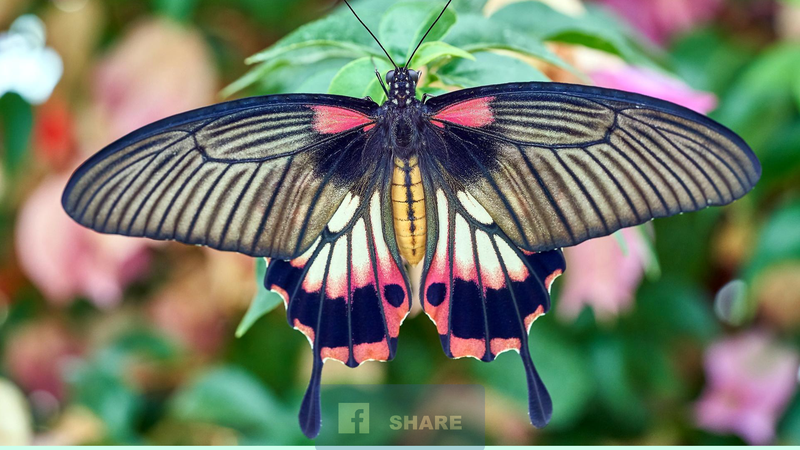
[479, 188]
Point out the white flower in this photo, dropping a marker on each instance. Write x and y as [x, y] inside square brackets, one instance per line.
[27, 67]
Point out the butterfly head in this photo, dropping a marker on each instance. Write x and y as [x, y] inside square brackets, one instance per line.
[402, 85]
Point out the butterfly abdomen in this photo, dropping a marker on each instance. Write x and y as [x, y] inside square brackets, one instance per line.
[408, 209]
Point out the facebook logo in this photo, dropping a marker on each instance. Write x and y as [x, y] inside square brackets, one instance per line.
[353, 418]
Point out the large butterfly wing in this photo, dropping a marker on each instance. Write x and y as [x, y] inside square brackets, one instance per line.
[557, 164]
[348, 292]
[482, 291]
[261, 176]
[516, 171]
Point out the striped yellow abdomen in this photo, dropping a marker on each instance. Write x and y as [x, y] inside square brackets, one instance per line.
[408, 208]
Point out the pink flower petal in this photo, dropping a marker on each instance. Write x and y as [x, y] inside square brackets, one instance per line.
[65, 260]
[750, 380]
[655, 84]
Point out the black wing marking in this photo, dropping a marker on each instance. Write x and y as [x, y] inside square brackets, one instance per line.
[260, 176]
[348, 293]
[557, 164]
[482, 292]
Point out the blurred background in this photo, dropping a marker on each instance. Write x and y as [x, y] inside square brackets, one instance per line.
[683, 332]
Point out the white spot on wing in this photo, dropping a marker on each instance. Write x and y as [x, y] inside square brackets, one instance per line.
[344, 213]
[441, 201]
[336, 287]
[474, 208]
[313, 281]
[385, 262]
[516, 268]
[491, 271]
[464, 256]
[362, 268]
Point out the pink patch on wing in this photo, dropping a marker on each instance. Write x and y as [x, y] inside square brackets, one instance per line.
[460, 347]
[308, 331]
[439, 271]
[332, 119]
[282, 292]
[338, 353]
[471, 113]
[378, 351]
[499, 345]
[550, 278]
[532, 317]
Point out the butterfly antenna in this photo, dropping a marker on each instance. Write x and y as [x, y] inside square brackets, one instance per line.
[426, 34]
[371, 34]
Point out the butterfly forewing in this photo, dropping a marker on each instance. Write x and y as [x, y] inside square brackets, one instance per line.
[259, 176]
[557, 164]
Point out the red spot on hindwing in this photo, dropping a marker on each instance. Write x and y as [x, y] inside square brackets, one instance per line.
[332, 119]
[471, 113]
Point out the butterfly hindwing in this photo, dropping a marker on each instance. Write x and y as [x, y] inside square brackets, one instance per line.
[556, 164]
[348, 292]
[260, 176]
[482, 292]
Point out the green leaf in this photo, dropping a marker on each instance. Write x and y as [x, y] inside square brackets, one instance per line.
[232, 397]
[778, 157]
[709, 59]
[488, 68]
[431, 91]
[468, 6]
[796, 91]
[263, 302]
[432, 51]
[311, 59]
[789, 429]
[311, 78]
[339, 29]
[99, 385]
[357, 79]
[594, 29]
[404, 24]
[16, 123]
[178, 10]
[779, 240]
[476, 33]
[760, 102]
[614, 384]
[672, 308]
[320, 47]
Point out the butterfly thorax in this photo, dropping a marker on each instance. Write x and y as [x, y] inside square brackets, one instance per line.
[402, 87]
[403, 114]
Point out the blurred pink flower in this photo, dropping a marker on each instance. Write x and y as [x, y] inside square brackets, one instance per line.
[660, 20]
[36, 353]
[749, 381]
[604, 276]
[655, 84]
[65, 260]
[160, 68]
